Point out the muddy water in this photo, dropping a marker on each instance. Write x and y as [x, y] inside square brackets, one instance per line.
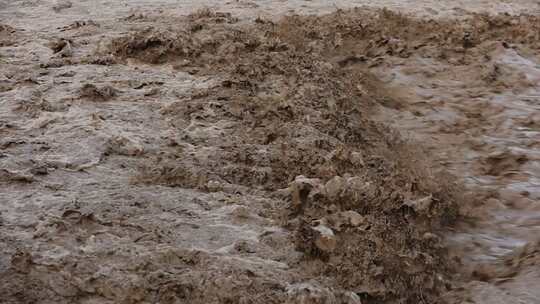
[490, 136]
[486, 133]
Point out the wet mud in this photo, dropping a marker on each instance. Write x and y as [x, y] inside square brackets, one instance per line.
[363, 156]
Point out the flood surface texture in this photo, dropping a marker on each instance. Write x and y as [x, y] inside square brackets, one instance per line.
[269, 151]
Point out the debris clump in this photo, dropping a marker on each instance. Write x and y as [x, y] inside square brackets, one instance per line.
[102, 93]
[7, 35]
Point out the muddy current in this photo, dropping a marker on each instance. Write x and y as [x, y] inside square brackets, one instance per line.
[269, 152]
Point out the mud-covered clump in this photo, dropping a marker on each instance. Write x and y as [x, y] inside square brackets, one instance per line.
[7, 35]
[93, 92]
[154, 45]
